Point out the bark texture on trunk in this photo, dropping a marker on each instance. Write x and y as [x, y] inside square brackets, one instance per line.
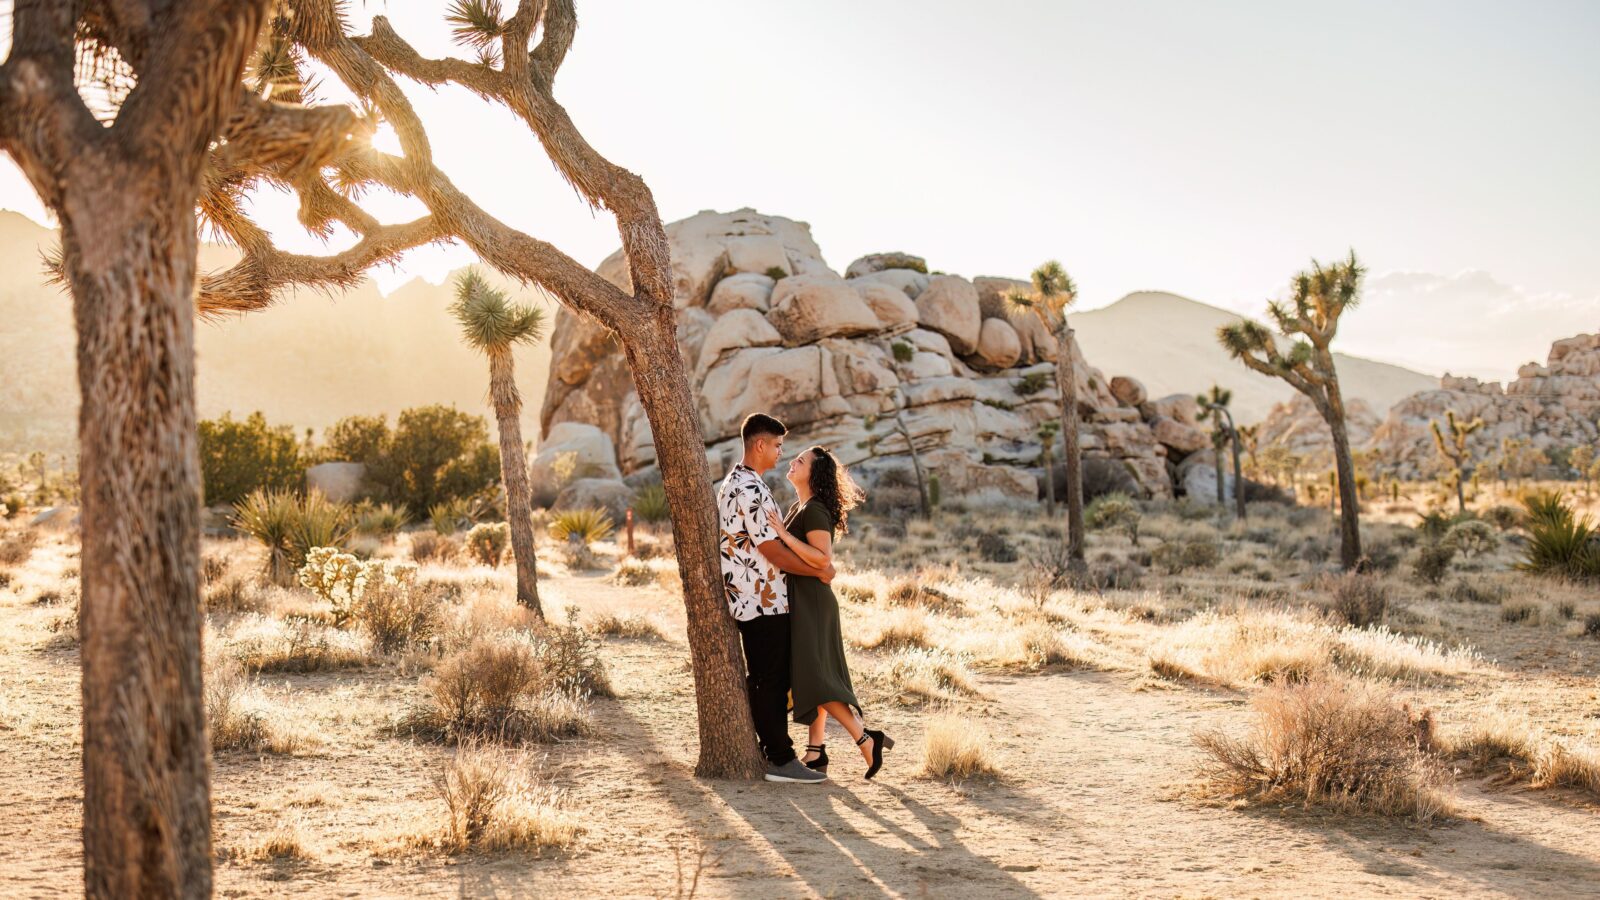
[1349, 503]
[1222, 483]
[1238, 475]
[146, 752]
[514, 472]
[1072, 458]
[728, 747]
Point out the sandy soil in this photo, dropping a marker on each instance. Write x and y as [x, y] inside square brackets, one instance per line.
[1097, 800]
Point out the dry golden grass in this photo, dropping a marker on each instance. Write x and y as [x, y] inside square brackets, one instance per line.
[895, 628]
[1496, 737]
[1341, 744]
[497, 688]
[956, 749]
[239, 718]
[629, 627]
[493, 802]
[286, 841]
[923, 676]
[269, 645]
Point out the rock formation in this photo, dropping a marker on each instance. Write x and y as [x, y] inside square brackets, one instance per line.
[765, 325]
[1298, 426]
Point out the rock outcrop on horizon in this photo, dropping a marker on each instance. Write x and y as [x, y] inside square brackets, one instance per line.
[1554, 405]
[764, 324]
[1297, 425]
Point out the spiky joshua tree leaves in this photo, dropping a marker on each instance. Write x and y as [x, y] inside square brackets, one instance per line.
[493, 325]
[1455, 452]
[1214, 406]
[1053, 292]
[1310, 318]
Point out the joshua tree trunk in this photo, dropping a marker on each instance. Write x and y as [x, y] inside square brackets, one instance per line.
[728, 745]
[1072, 458]
[1349, 504]
[1222, 483]
[1238, 475]
[130, 262]
[1049, 480]
[1461, 493]
[514, 472]
[916, 461]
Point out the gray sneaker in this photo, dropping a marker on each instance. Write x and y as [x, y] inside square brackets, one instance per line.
[795, 771]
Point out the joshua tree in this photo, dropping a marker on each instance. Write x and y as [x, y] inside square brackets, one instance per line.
[1582, 460]
[1047, 440]
[1214, 405]
[1318, 298]
[517, 58]
[122, 178]
[1455, 452]
[494, 325]
[898, 421]
[1250, 439]
[1053, 292]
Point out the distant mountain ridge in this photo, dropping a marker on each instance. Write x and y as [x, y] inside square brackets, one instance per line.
[308, 361]
[1169, 343]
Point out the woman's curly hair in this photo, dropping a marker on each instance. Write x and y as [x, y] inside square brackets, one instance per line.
[832, 486]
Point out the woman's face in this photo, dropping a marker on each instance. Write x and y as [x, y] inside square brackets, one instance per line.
[800, 469]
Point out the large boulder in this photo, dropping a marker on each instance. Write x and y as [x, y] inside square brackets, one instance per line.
[895, 311]
[739, 328]
[998, 344]
[1181, 407]
[742, 291]
[808, 308]
[570, 450]
[1177, 436]
[1128, 391]
[609, 494]
[1197, 478]
[877, 262]
[906, 281]
[950, 307]
[992, 294]
[338, 481]
[758, 253]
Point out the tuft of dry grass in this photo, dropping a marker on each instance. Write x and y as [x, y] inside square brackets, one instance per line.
[897, 628]
[1496, 737]
[1360, 599]
[262, 644]
[493, 802]
[498, 688]
[956, 749]
[922, 676]
[1335, 743]
[240, 719]
[286, 841]
[18, 547]
[629, 627]
[429, 547]
[234, 594]
[633, 573]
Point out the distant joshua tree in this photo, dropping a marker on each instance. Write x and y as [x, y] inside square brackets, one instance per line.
[492, 324]
[1318, 298]
[1053, 292]
[1455, 452]
[897, 420]
[1047, 440]
[1214, 405]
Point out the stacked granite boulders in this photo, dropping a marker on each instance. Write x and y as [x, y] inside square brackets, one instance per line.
[1552, 406]
[1296, 424]
[765, 325]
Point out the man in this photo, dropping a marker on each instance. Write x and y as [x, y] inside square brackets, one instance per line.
[753, 563]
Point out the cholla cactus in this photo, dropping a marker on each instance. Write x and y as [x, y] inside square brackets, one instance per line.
[343, 580]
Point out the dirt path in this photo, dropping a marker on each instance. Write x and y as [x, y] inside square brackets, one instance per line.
[1094, 803]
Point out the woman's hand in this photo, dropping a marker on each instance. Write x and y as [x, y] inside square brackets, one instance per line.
[777, 522]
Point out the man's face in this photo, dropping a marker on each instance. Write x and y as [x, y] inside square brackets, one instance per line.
[772, 449]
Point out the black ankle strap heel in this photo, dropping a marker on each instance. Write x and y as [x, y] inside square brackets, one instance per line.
[820, 764]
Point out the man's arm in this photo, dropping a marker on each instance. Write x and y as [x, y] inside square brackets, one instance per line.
[785, 559]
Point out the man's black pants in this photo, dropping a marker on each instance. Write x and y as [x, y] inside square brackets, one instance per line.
[766, 656]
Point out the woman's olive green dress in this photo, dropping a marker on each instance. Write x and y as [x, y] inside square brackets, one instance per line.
[818, 672]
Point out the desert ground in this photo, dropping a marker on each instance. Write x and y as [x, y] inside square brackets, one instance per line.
[1071, 716]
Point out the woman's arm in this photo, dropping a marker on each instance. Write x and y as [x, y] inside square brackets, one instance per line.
[812, 553]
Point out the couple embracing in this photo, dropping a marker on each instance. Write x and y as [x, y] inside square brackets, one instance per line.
[776, 570]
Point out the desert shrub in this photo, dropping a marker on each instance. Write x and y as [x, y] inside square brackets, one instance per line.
[1591, 625]
[15, 549]
[380, 519]
[650, 503]
[212, 569]
[1116, 575]
[629, 627]
[1504, 518]
[1032, 383]
[994, 547]
[237, 717]
[1359, 599]
[434, 548]
[1560, 542]
[1519, 611]
[903, 351]
[1432, 562]
[924, 675]
[570, 655]
[397, 613]
[1464, 590]
[585, 526]
[1347, 745]
[1379, 555]
[497, 688]
[234, 595]
[264, 645]
[237, 458]
[1115, 511]
[434, 453]
[289, 526]
[13, 504]
[492, 802]
[1472, 538]
[1174, 557]
[1049, 569]
[633, 573]
[487, 543]
[954, 748]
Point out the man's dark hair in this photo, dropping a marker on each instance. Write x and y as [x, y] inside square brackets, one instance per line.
[757, 424]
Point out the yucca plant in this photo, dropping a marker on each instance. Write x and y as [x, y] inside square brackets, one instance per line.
[494, 325]
[1318, 297]
[1560, 542]
[317, 522]
[382, 519]
[583, 525]
[268, 517]
[1053, 292]
[450, 516]
[650, 503]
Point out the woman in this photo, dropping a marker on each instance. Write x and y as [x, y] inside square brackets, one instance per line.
[819, 675]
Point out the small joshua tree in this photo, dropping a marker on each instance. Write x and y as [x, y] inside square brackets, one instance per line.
[1319, 296]
[1047, 440]
[1453, 449]
[1053, 292]
[1214, 406]
[494, 325]
[899, 427]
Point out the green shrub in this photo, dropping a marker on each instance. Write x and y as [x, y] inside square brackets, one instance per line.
[450, 516]
[1433, 561]
[380, 519]
[487, 542]
[650, 503]
[1115, 510]
[903, 351]
[584, 526]
[434, 453]
[1560, 542]
[1472, 538]
[239, 457]
[1031, 383]
[776, 273]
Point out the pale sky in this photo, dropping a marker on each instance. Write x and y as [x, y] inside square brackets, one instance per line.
[1207, 149]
